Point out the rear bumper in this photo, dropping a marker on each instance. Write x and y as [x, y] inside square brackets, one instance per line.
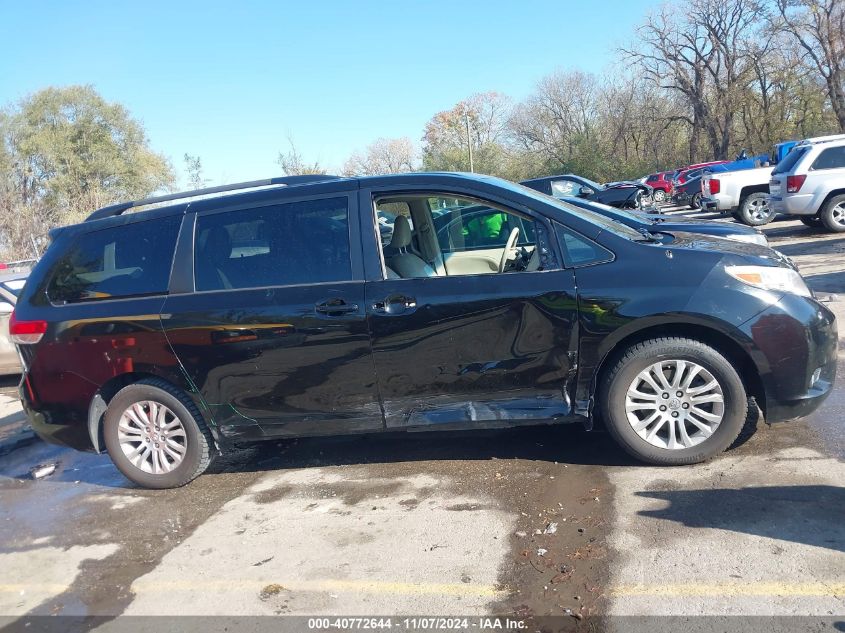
[796, 343]
[53, 428]
[794, 204]
[716, 203]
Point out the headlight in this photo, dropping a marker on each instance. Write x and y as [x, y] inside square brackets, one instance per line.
[752, 238]
[770, 278]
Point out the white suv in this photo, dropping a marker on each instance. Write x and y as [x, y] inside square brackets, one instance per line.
[810, 182]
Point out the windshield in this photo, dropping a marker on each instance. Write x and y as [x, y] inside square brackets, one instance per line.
[606, 223]
[790, 160]
[592, 184]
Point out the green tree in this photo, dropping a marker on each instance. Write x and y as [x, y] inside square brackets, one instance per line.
[65, 152]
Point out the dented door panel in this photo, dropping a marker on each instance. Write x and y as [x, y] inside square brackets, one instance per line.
[474, 349]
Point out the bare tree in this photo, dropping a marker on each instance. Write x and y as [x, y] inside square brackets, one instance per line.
[471, 136]
[383, 156]
[193, 165]
[293, 164]
[704, 57]
[819, 27]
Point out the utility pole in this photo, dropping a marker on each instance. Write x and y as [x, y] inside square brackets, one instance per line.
[469, 142]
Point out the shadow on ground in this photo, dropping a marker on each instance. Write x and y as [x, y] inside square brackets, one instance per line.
[810, 514]
[562, 443]
[827, 282]
[818, 247]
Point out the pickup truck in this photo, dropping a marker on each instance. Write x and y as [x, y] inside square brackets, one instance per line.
[744, 194]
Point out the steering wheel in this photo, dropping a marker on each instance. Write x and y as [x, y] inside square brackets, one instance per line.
[509, 245]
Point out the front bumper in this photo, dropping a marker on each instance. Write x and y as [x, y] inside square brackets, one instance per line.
[795, 350]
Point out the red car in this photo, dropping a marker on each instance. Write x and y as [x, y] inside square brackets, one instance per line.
[681, 175]
[661, 182]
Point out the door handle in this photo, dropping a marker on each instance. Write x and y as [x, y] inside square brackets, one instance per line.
[395, 304]
[335, 307]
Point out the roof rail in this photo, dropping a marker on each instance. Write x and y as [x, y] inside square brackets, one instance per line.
[119, 208]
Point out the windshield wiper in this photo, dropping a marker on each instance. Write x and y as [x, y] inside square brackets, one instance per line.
[650, 237]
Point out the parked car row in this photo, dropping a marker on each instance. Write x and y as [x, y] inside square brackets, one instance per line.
[809, 183]
[623, 195]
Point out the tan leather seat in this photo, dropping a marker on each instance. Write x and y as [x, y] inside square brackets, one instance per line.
[407, 265]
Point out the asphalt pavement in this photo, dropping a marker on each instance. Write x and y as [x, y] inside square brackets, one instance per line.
[523, 523]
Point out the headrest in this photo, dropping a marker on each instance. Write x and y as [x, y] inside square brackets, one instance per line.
[218, 244]
[401, 232]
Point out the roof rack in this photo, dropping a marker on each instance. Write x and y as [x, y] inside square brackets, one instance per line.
[117, 209]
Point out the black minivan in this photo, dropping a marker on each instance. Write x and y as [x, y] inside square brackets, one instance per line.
[283, 308]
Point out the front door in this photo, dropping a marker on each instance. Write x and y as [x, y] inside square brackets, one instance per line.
[275, 337]
[462, 343]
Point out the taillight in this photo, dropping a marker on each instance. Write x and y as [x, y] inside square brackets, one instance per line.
[793, 183]
[714, 185]
[26, 332]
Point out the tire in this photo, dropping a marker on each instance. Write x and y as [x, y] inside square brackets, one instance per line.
[194, 437]
[832, 215]
[659, 196]
[695, 202]
[754, 210]
[813, 221]
[625, 374]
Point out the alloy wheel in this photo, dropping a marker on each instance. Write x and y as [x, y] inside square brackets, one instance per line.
[675, 404]
[659, 195]
[152, 437]
[837, 214]
[758, 210]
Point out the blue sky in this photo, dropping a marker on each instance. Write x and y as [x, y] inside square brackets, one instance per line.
[230, 81]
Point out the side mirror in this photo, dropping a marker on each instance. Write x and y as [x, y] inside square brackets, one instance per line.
[585, 191]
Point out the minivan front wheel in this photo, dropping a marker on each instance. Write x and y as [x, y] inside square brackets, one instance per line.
[155, 436]
[673, 401]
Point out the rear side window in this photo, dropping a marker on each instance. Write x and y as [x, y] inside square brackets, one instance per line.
[830, 158]
[790, 160]
[123, 261]
[280, 245]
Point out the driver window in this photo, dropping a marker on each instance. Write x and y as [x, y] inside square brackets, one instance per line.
[459, 236]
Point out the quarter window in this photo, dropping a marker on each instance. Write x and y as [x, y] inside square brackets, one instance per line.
[279, 245]
[129, 260]
[830, 158]
[578, 250]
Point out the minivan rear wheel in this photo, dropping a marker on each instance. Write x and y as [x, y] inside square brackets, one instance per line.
[673, 401]
[832, 214]
[156, 436]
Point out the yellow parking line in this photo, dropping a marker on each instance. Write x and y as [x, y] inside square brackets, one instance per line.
[366, 586]
[732, 589]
